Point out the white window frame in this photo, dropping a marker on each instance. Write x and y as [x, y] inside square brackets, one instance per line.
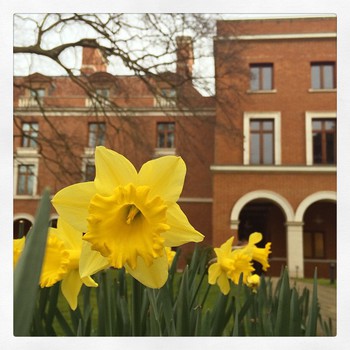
[88, 158]
[26, 156]
[276, 117]
[309, 116]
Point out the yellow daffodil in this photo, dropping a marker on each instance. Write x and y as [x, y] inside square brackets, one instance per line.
[253, 282]
[258, 254]
[18, 246]
[129, 217]
[61, 262]
[230, 265]
[170, 255]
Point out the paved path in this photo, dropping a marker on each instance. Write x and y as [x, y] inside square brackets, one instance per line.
[327, 297]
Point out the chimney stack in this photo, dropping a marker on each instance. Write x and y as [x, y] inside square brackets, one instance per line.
[93, 61]
[185, 57]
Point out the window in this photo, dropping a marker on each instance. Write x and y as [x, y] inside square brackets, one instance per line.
[99, 99]
[262, 138]
[96, 134]
[324, 143]
[314, 245]
[53, 223]
[30, 134]
[37, 93]
[166, 135]
[261, 141]
[166, 98]
[25, 179]
[103, 93]
[321, 138]
[90, 172]
[21, 227]
[261, 77]
[323, 76]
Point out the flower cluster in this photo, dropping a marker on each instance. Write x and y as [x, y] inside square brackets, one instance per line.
[123, 218]
[231, 263]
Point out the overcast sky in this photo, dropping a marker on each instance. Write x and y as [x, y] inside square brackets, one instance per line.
[25, 64]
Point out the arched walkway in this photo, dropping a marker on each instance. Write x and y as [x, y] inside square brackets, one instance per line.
[261, 194]
[22, 222]
[317, 213]
[315, 197]
[280, 230]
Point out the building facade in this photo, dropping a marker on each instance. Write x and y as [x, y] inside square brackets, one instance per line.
[58, 122]
[260, 155]
[277, 174]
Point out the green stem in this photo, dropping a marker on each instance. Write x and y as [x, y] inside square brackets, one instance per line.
[136, 307]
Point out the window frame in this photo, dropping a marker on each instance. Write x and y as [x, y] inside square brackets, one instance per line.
[29, 176]
[309, 117]
[37, 93]
[166, 133]
[261, 132]
[166, 97]
[26, 161]
[260, 78]
[96, 133]
[322, 66]
[276, 117]
[313, 233]
[28, 140]
[88, 159]
[89, 164]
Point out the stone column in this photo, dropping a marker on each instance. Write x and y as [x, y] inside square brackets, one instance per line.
[295, 251]
[234, 229]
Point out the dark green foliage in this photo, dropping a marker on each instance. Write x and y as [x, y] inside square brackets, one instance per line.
[185, 306]
[28, 269]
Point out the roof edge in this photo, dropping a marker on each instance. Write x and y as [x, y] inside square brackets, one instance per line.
[279, 17]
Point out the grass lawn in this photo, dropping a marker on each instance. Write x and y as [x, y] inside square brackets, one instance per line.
[321, 281]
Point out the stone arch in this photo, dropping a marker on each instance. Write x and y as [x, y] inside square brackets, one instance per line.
[53, 219]
[262, 194]
[315, 197]
[27, 222]
[24, 216]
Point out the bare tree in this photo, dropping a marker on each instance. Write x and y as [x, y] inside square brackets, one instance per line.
[144, 45]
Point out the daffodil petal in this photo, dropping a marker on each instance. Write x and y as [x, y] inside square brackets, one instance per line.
[72, 202]
[181, 231]
[70, 288]
[72, 238]
[91, 261]
[165, 176]
[112, 170]
[153, 276]
[255, 237]
[226, 247]
[18, 246]
[224, 284]
[89, 282]
[214, 272]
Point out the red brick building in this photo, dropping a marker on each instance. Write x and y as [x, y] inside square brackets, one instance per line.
[277, 175]
[59, 121]
[261, 155]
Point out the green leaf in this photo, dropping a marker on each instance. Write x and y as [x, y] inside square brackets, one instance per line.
[311, 328]
[28, 269]
[220, 316]
[137, 292]
[295, 317]
[283, 308]
[182, 307]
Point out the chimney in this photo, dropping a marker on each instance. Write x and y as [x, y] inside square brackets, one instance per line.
[184, 55]
[93, 61]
